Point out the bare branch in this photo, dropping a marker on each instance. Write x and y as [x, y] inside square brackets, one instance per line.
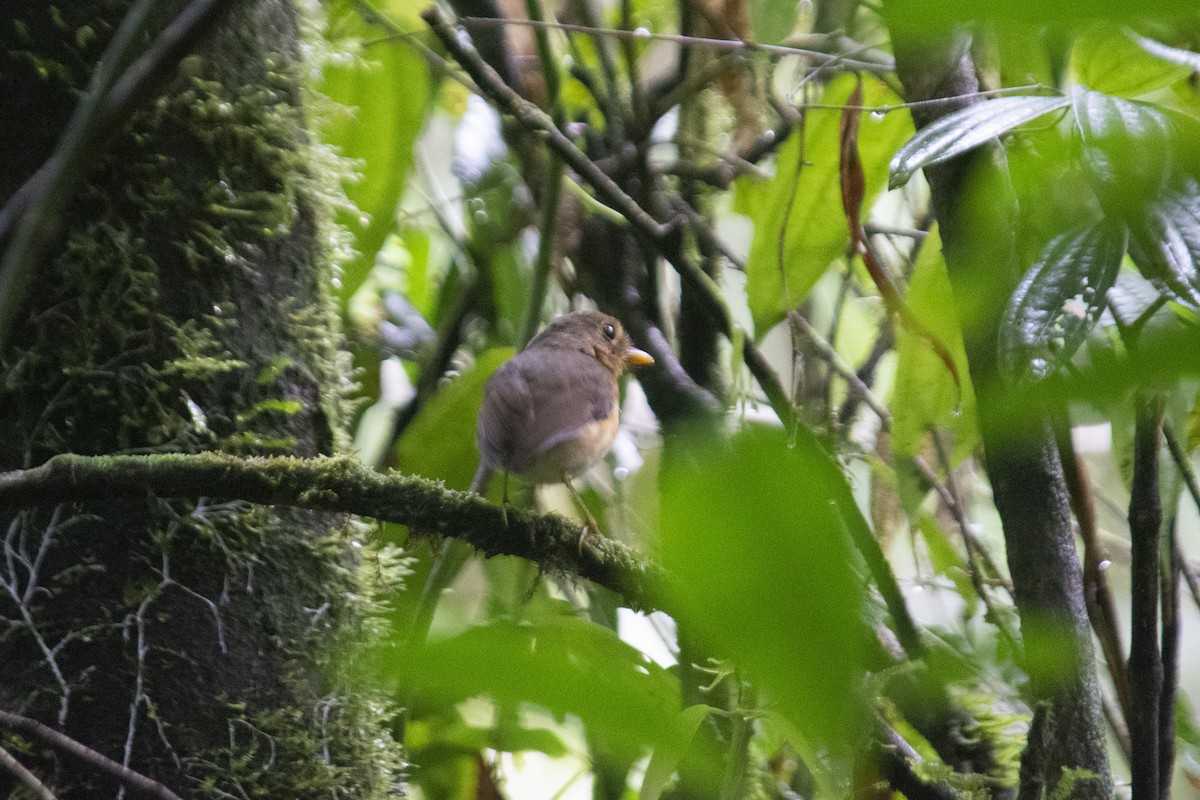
[24, 775]
[130, 779]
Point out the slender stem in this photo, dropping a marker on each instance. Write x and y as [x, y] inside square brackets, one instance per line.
[869, 60]
[1184, 463]
[1101, 605]
[1170, 662]
[1145, 665]
[26, 777]
[839, 366]
[973, 547]
[532, 117]
[734, 784]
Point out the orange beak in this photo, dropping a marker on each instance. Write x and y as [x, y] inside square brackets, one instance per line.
[637, 358]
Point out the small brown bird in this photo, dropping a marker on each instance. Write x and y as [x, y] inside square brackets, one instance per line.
[552, 411]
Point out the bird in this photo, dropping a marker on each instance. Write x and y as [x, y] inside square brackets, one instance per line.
[552, 411]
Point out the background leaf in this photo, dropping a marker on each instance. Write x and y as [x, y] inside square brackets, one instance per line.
[1127, 148]
[386, 95]
[925, 393]
[1108, 58]
[565, 664]
[754, 535]
[670, 749]
[440, 442]
[810, 204]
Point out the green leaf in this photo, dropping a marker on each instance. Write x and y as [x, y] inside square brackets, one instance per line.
[566, 665]
[440, 442]
[1166, 244]
[1110, 59]
[926, 394]
[669, 750]
[946, 560]
[1127, 148]
[754, 534]
[772, 20]
[805, 210]
[966, 129]
[1060, 298]
[387, 96]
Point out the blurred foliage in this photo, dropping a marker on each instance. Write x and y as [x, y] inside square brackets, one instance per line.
[779, 666]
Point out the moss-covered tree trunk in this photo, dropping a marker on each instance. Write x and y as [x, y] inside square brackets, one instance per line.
[186, 306]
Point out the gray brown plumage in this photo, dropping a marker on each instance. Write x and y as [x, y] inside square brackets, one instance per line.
[552, 410]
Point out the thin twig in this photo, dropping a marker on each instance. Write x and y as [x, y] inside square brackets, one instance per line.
[1184, 463]
[24, 775]
[839, 366]
[879, 62]
[664, 238]
[1098, 594]
[60, 741]
[897, 761]
[532, 117]
[975, 550]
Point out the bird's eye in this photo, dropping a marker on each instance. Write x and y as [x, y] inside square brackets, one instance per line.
[609, 331]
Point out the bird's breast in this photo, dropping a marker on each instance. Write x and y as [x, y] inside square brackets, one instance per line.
[575, 454]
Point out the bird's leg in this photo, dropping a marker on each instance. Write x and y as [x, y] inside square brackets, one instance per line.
[504, 500]
[591, 524]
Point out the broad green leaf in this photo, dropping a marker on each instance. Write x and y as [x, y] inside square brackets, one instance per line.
[799, 227]
[440, 442]
[1060, 298]
[754, 535]
[566, 665]
[670, 749]
[1110, 58]
[1127, 148]
[386, 95]
[771, 20]
[966, 129]
[926, 394]
[1025, 56]
[1166, 244]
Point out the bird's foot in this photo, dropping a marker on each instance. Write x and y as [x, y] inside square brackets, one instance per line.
[590, 532]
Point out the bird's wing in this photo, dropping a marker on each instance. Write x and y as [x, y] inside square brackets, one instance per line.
[539, 399]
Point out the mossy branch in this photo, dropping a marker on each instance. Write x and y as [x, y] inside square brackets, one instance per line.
[342, 484]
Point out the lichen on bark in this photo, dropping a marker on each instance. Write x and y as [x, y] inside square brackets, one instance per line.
[187, 306]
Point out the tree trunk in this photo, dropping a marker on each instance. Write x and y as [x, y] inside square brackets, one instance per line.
[185, 306]
[975, 212]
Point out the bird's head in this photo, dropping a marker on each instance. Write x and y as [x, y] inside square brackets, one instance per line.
[596, 334]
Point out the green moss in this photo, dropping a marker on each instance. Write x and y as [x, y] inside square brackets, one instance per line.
[190, 307]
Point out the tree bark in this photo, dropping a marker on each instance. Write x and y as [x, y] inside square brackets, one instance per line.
[975, 211]
[185, 307]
